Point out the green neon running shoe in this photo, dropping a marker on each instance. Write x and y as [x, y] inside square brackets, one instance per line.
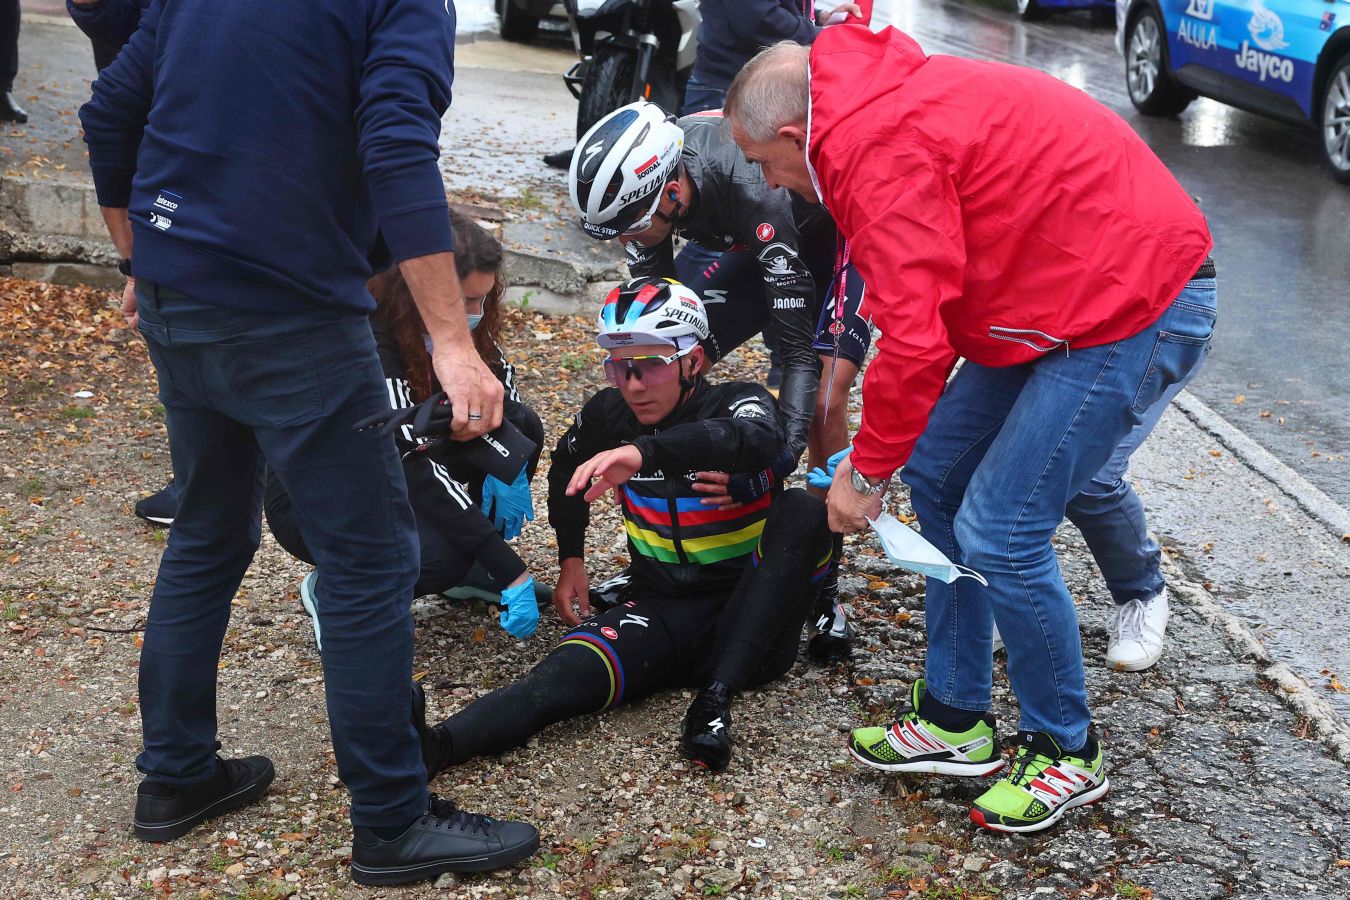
[915, 745]
[1045, 783]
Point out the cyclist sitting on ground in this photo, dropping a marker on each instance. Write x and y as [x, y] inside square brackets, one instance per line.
[463, 539]
[761, 258]
[719, 596]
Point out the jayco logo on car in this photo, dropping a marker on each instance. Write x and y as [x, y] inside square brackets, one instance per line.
[1267, 32]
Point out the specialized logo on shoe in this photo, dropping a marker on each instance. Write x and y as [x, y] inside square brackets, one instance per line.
[716, 725]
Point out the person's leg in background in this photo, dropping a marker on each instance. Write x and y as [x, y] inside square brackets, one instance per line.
[759, 627]
[842, 341]
[1110, 516]
[700, 97]
[733, 295]
[10, 16]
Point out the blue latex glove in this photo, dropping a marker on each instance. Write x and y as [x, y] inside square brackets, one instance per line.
[821, 478]
[521, 617]
[509, 506]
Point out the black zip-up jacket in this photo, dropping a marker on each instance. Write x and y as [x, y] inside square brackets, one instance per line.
[793, 241]
[445, 492]
[677, 545]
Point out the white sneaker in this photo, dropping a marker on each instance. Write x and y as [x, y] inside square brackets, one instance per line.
[310, 602]
[998, 639]
[1137, 631]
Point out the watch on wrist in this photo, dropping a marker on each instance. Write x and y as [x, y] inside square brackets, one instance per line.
[124, 267]
[865, 487]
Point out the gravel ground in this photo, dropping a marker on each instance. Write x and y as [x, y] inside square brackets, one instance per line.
[1217, 789]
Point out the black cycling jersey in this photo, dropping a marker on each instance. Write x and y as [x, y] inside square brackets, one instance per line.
[734, 207]
[677, 544]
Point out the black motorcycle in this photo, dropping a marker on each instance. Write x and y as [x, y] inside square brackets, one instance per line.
[630, 50]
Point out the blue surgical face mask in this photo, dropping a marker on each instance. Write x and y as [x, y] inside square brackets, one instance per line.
[474, 319]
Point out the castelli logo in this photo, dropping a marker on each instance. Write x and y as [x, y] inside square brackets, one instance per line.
[764, 232]
[609, 633]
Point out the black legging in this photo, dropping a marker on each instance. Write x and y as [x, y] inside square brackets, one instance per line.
[743, 638]
[9, 43]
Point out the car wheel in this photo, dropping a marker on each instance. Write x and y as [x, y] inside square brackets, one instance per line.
[1148, 80]
[1336, 120]
[1031, 11]
[516, 24]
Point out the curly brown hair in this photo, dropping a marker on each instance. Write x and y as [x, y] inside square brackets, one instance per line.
[475, 251]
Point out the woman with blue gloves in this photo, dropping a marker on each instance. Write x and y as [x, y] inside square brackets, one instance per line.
[464, 517]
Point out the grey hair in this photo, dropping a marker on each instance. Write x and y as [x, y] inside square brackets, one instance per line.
[773, 90]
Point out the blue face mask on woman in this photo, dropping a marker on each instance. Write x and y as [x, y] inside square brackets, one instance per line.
[474, 319]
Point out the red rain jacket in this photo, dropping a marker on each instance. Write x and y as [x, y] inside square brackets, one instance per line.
[995, 212]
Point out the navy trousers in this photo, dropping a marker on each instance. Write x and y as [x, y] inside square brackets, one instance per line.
[233, 383]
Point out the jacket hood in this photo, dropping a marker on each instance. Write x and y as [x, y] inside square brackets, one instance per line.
[852, 68]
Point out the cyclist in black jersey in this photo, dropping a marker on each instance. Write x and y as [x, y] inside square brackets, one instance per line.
[718, 596]
[761, 258]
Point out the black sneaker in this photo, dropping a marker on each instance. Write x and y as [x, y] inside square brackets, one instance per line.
[160, 507]
[435, 745]
[833, 640]
[445, 839]
[707, 728]
[165, 811]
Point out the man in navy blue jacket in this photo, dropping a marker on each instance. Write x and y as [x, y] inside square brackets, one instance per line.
[107, 23]
[732, 31]
[259, 155]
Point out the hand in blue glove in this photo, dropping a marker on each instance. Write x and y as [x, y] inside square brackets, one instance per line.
[521, 616]
[509, 506]
[821, 478]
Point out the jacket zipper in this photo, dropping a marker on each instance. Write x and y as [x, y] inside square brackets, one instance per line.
[1028, 337]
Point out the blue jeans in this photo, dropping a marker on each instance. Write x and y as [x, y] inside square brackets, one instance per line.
[232, 383]
[1110, 515]
[700, 97]
[1004, 453]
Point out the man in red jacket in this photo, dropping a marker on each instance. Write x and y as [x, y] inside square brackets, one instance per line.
[1006, 218]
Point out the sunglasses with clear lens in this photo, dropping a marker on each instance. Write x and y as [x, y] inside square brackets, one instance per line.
[650, 370]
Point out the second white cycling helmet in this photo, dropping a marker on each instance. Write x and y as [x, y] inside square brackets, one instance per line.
[651, 310]
[620, 166]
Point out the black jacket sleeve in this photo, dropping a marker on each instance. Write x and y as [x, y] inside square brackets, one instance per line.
[591, 432]
[790, 292]
[438, 499]
[742, 435]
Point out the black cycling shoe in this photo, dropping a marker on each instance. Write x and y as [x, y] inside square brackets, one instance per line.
[444, 839]
[707, 728]
[833, 640]
[612, 591]
[165, 811]
[161, 507]
[435, 745]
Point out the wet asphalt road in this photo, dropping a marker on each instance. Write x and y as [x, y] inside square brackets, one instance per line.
[1281, 229]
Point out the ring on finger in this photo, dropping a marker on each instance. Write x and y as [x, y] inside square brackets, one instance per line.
[475, 416]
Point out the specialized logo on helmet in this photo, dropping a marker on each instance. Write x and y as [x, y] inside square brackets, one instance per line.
[764, 232]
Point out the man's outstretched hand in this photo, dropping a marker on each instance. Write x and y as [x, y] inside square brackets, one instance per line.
[609, 470]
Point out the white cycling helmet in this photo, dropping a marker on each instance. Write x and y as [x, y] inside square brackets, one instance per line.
[620, 166]
[652, 311]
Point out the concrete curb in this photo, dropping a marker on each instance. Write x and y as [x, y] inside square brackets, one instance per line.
[1331, 730]
[1326, 511]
